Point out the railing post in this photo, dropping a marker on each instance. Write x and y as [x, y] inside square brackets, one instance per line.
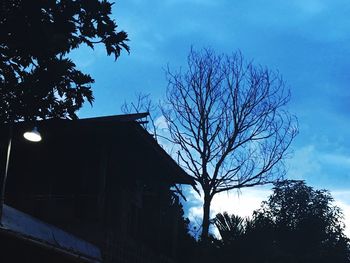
[3, 186]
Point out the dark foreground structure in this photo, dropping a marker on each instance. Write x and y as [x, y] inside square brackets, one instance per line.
[105, 181]
[24, 238]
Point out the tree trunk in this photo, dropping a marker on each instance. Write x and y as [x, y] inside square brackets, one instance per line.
[206, 214]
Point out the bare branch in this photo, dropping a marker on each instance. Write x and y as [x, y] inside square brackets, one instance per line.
[143, 104]
[229, 120]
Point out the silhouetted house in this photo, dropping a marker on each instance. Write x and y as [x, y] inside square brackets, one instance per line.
[105, 180]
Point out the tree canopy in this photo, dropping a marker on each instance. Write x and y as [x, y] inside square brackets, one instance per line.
[37, 79]
[296, 224]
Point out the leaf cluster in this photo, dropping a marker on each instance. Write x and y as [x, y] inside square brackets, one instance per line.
[37, 79]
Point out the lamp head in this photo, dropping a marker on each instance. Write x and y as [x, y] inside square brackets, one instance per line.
[33, 135]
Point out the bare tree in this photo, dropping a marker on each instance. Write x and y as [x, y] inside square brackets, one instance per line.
[229, 121]
[144, 103]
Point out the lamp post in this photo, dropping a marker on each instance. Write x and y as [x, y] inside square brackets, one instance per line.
[33, 136]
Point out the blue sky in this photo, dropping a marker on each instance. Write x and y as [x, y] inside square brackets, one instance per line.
[307, 41]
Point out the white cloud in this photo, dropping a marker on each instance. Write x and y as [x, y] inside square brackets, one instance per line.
[346, 212]
[161, 122]
[304, 162]
[342, 200]
[322, 166]
[163, 132]
[241, 203]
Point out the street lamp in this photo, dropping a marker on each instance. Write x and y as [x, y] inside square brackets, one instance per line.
[33, 136]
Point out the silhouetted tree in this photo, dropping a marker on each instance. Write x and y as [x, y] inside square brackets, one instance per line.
[231, 227]
[296, 224]
[163, 227]
[307, 225]
[37, 79]
[229, 121]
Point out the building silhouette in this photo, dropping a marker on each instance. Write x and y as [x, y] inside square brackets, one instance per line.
[104, 181]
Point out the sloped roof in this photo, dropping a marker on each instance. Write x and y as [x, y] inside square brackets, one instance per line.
[98, 124]
[107, 127]
[181, 175]
[24, 226]
[118, 118]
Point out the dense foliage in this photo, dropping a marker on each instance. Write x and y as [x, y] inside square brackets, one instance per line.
[296, 224]
[37, 79]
